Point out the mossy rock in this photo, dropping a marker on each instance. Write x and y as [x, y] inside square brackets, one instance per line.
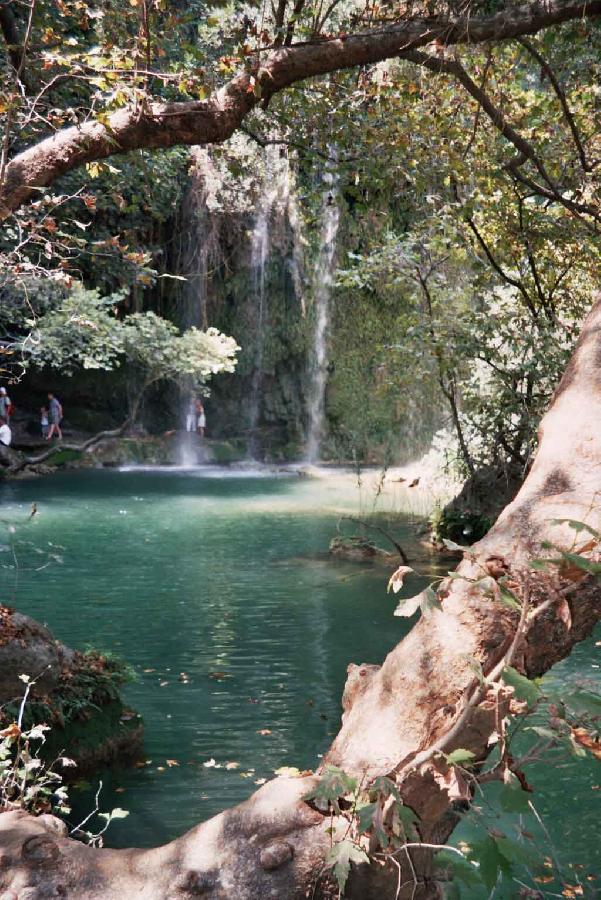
[109, 734]
[360, 549]
[224, 452]
[78, 697]
[64, 458]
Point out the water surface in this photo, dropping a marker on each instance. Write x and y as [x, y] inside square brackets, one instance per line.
[214, 586]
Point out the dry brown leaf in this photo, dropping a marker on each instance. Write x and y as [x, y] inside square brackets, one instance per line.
[585, 739]
[13, 731]
[453, 782]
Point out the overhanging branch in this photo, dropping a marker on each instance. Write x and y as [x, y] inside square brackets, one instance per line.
[162, 125]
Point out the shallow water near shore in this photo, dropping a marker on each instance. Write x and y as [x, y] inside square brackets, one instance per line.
[214, 585]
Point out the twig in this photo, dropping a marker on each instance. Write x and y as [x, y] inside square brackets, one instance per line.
[382, 531]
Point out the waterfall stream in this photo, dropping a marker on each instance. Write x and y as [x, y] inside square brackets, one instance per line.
[200, 249]
[277, 200]
[323, 278]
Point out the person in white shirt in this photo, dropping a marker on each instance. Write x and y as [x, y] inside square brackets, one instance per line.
[4, 404]
[5, 432]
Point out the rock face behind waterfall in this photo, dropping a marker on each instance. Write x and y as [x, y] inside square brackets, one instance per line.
[101, 730]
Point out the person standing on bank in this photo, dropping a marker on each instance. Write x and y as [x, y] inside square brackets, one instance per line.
[191, 414]
[5, 432]
[202, 421]
[55, 415]
[5, 404]
[44, 424]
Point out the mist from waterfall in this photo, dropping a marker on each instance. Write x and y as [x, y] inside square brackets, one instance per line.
[323, 278]
[277, 202]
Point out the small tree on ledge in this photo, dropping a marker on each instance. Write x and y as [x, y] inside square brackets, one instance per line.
[84, 330]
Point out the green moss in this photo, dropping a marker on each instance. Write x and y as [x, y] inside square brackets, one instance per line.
[85, 712]
[224, 452]
[102, 736]
[460, 527]
[63, 457]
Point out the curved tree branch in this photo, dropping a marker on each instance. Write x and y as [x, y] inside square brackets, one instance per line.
[161, 125]
[526, 151]
[80, 448]
[554, 81]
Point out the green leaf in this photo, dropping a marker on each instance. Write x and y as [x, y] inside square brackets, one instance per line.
[333, 784]
[365, 816]
[490, 861]
[583, 702]
[512, 797]
[463, 870]
[581, 563]
[460, 757]
[341, 856]
[541, 565]
[524, 688]
[386, 787]
[577, 526]
[508, 598]
[516, 852]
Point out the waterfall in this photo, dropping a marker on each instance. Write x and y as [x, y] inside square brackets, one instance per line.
[200, 250]
[323, 277]
[274, 203]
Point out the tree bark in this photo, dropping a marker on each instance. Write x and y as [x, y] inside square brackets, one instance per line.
[162, 125]
[395, 716]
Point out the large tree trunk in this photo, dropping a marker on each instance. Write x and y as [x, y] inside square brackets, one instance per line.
[160, 125]
[274, 844]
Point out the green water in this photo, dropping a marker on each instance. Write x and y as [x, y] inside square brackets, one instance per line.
[219, 577]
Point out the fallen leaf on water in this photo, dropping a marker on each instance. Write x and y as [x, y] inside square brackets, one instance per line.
[232, 765]
[264, 731]
[260, 780]
[120, 790]
[171, 763]
[160, 768]
[209, 764]
[163, 683]
[219, 676]
[248, 774]
[149, 670]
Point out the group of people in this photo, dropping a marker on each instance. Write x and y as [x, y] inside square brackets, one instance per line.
[195, 416]
[50, 418]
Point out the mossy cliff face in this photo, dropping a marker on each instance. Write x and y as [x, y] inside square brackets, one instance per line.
[78, 695]
[229, 200]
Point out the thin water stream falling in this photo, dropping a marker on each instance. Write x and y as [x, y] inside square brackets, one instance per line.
[323, 279]
[277, 200]
[200, 250]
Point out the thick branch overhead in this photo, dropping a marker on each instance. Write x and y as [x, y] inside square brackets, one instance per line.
[162, 125]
